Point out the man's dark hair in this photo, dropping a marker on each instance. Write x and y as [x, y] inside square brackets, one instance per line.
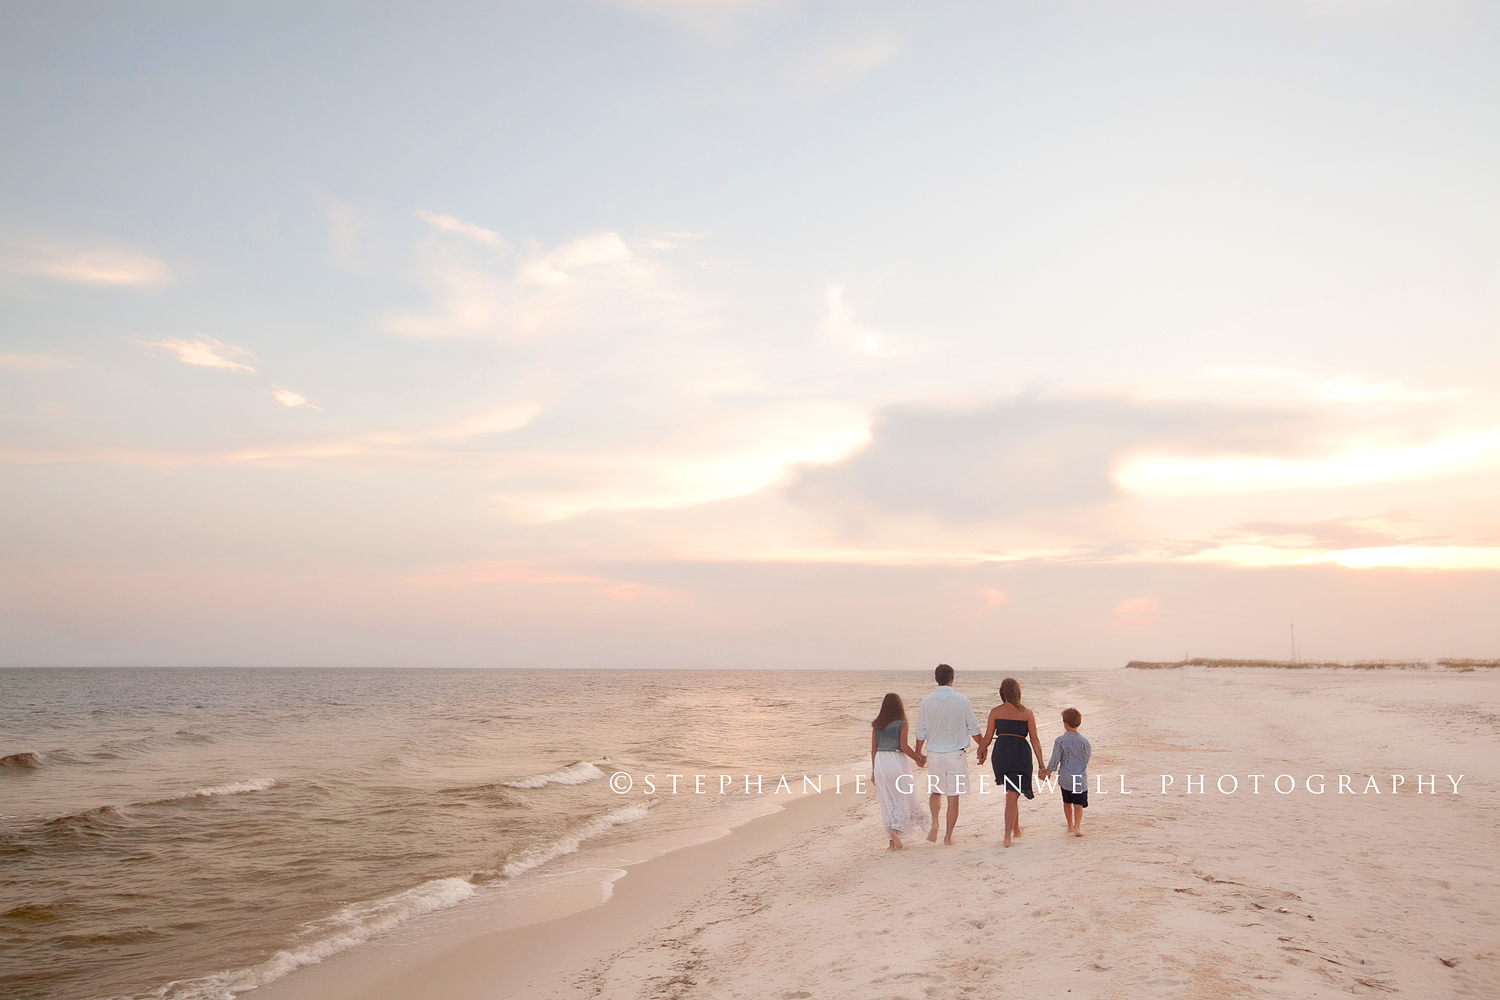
[943, 674]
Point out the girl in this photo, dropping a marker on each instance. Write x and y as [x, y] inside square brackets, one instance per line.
[890, 745]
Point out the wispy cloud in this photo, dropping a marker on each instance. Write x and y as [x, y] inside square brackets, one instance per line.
[485, 422]
[449, 224]
[1158, 474]
[721, 461]
[848, 61]
[86, 265]
[519, 573]
[1255, 381]
[204, 352]
[1137, 614]
[30, 362]
[840, 325]
[287, 397]
[595, 283]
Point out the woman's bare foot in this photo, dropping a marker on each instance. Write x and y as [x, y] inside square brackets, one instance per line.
[1018, 832]
[896, 844]
[1005, 842]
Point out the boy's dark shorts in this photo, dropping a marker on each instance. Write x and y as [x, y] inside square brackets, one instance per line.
[1075, 798]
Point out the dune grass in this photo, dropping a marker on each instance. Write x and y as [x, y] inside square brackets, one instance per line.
[1461, 665]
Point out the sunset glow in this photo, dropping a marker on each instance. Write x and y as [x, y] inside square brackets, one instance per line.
[675, 334]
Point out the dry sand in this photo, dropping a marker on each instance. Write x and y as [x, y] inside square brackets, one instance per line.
[1168, 895]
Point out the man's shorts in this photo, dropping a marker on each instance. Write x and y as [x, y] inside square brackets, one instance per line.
[1075, 798]
[947, 773]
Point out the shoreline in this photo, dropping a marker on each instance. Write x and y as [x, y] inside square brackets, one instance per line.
[1165, 896]
[643, 897]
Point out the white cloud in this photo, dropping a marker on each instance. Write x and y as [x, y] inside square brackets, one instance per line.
[30, 362]
[1429, 557]
[1254, 381]
[287, 397]
[594, 284]
[89, 266]
[840, 325]
[728, 459]
[1167, 475]
[498, 421]
[205, 352]
[449, 224]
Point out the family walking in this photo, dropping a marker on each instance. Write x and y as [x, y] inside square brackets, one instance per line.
[945, 725]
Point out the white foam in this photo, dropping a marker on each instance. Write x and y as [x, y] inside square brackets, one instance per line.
[353, 925]
[233, 788]
[568, 844]
[573, 774]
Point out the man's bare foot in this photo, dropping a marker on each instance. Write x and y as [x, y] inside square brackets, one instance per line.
[948, 841]
[932, 834]
[1078, 833]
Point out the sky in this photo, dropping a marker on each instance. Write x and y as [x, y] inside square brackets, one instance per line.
[703, 333]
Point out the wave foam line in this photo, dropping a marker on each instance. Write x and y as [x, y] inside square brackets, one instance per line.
[573, 774]
[353, 925]
[568, 844]
[233, 788]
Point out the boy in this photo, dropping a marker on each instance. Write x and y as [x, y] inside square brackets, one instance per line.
[1070, 759]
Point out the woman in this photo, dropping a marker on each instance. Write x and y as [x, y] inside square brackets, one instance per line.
[889, 745]
[1012, 724]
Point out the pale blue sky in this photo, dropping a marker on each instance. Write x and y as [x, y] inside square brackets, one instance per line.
[841, 334]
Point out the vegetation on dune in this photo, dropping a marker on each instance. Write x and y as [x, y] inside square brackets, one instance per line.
[1461, 665]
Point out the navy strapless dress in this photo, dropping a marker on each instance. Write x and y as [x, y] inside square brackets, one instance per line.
[1011, 756]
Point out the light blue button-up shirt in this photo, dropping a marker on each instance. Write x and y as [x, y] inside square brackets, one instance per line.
[946, 721]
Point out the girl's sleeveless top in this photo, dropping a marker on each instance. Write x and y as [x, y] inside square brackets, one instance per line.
[889, 738]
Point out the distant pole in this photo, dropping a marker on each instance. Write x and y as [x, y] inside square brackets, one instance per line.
[1294, 645]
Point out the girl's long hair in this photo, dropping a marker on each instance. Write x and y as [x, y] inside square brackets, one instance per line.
[1010, 692]
[890, 710]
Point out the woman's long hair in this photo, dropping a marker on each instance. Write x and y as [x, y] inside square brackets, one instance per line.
[890, 710]
[1010, 692]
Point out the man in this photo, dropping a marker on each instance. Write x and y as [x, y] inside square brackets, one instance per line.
[946, 723]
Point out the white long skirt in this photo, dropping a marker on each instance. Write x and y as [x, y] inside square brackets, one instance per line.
[899, 810]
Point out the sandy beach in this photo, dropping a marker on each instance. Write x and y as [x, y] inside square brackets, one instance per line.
[1197, 893]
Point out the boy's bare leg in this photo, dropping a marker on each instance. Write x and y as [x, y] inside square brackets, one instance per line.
[952, 820]
[1078, 821]
[934, 803]
[1068, 815]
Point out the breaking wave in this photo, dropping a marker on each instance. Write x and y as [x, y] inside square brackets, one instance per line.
[568, 843]
[233, 788]
[353, 925]
[573, 774]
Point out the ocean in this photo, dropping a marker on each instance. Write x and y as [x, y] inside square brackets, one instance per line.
[196, 833]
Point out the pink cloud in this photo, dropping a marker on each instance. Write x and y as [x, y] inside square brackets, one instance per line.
[993, 598]
[99, 266]
[204, 352]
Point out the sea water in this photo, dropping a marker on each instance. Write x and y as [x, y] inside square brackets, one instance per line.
[196, 833]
